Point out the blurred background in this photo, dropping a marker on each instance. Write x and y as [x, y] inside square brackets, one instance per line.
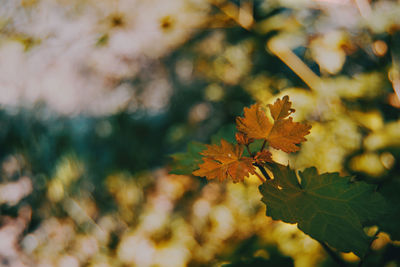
[95, 96]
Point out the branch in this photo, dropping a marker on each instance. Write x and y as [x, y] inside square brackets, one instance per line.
[263, 171]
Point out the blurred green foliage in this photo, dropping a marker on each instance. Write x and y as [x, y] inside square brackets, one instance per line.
[98, 191]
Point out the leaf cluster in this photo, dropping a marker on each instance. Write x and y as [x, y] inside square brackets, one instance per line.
[331, 209]
[228, 162]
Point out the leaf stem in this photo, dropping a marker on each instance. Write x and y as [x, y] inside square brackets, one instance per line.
[263, 145]
[333, 254]
[248, 150]
[260, 177]
[263, 171]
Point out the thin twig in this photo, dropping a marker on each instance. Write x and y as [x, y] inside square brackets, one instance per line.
[333, 254]
[263, 145]
[279, 47]
[248, 150]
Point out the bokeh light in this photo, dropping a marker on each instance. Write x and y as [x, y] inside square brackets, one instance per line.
[95, 96]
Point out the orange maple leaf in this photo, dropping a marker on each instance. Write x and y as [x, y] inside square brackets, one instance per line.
[286, 134]
[263, 157]
[281, 108]
[281, 132]
[224, 162]
[255, 123]
[243, 139]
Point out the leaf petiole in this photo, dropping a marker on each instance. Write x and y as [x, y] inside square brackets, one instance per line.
[248, 150]
[260, 177]
[263, 145]
[263, 171]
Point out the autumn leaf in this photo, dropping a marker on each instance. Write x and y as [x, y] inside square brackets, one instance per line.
[286, 134]
[243, 139]
[263, 157]
[281, 132]
[225, 162]
[255, 123]
[281, 108]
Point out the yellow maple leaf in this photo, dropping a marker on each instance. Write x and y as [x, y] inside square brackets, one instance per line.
[281, 132]
[225, 162]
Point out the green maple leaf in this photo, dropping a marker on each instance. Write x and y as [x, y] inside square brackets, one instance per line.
[186, 163]
[327, 207]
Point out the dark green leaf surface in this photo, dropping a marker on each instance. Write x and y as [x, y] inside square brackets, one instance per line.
[390, 223]
[327, 207]
[186, 163]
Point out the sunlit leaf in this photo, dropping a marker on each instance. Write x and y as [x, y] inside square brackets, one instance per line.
[263, 157]
[243, 139]
[281, 133]
[281, 108]
[225, 162]
[255, 123]
[286, 134]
